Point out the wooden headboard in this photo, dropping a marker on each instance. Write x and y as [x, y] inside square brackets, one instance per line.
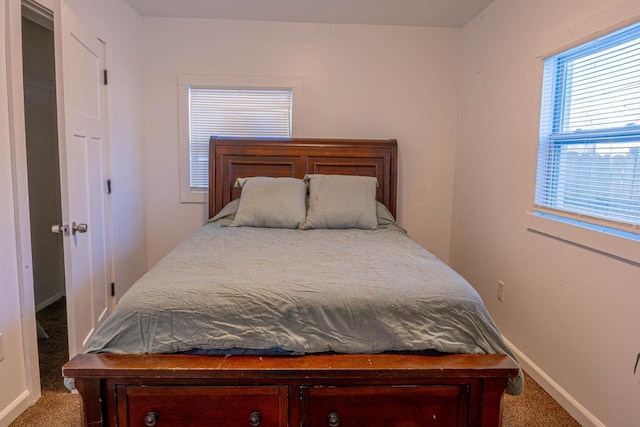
[231, 158]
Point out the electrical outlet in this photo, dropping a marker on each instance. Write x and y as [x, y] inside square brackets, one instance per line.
[1, 349]
[500, 291]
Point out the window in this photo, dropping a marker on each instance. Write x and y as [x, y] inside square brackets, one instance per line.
[589, 152]
[228, 106]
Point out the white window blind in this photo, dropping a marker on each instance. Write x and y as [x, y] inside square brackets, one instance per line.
[589, 152]
[232, 112]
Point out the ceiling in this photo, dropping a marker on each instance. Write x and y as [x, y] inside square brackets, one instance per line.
[425, 13]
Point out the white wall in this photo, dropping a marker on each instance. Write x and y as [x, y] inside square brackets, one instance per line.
[358, 82]
[571, 311]
[12, 368]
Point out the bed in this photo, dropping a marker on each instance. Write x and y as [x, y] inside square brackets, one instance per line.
[281, 347]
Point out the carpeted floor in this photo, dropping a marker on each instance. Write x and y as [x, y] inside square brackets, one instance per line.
[59, 408]
[534, 408]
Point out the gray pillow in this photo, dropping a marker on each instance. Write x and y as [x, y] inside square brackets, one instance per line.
[386, 220]
[271, 202]
[227, 212]
[341, 201]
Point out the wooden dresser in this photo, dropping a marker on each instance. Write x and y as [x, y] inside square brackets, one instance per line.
[321, 390]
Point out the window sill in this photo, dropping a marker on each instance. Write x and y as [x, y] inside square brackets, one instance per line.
[190, 197]
[611, 242]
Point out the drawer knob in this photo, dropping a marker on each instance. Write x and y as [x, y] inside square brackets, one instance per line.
[254, 419]
[151, 419]
[334, 419]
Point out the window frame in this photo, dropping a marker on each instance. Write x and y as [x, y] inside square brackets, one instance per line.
[603, 235]
[186, 81]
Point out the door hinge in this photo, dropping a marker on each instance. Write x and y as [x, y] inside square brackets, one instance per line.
[105, 77]
[108, 186]
[113, 289]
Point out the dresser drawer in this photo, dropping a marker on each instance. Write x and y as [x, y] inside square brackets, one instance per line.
[385, 406]
[173, 406]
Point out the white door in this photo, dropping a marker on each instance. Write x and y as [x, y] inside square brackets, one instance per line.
[83, 167]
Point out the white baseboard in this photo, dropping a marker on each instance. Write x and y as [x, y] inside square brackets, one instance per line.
[13, 411]
[49, 301]
[571, 405]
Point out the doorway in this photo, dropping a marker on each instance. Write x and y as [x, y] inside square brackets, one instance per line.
[43, 172]
[78, 180]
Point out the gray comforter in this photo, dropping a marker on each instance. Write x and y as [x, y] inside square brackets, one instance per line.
[301, 291]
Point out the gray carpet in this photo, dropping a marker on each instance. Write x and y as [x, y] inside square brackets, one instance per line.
[59, 408]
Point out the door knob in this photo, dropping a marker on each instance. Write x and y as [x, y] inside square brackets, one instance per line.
[78, 228]
[60, 229]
